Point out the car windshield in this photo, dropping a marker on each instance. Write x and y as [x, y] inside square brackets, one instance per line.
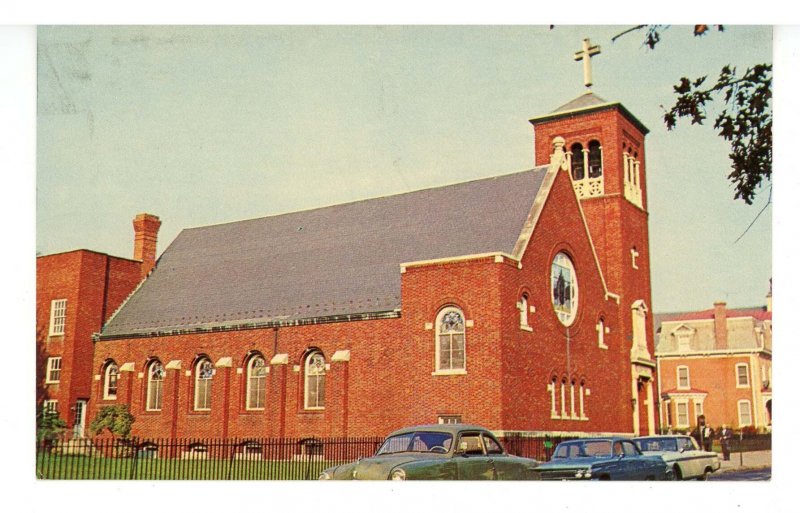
[658, 444]
[421, 441]
[583, 449]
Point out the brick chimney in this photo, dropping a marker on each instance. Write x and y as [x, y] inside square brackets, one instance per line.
[720, 325]
[145, 227]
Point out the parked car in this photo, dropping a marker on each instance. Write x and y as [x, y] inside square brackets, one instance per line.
[682, 454]
[437, 451]
[612, 458]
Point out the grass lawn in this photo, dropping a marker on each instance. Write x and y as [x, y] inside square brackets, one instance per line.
[56, 466]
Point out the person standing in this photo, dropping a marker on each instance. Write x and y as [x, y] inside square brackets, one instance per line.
[725, 442]
[708, 437]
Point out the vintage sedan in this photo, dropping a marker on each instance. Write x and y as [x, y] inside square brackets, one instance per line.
[603, 459]
[682, 454]
[437, 451]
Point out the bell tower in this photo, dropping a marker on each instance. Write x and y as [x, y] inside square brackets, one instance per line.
[605, 150]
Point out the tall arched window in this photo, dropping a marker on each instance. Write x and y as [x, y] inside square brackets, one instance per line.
[578, 171]
[155, 386]
[450, 341]
[595, 160]
[203, 374]
[315, 381]
[110, 379]
[256, 383]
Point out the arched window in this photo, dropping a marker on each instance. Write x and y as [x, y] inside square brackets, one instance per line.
[578, 172]
[450, 341]
[595, 160]
[523, 311]
[564, 288]
[256, 383]
[552, 386]
[203, 374]
[155, 386]
[315, 381]
[110, 379]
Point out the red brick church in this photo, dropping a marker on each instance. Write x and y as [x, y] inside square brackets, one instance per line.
[520, 302]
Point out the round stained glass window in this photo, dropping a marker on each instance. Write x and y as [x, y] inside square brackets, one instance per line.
[564, 289]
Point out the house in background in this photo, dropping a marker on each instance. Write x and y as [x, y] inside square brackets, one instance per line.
[76, 292]
[716, 363]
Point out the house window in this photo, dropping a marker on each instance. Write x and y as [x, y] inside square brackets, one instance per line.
[451, 343]
[50, 406]
[564, 288]
[155, 386]
[58, 316]
[449, 419]
[742, 375]
[683, 378]
[256, 383]
[745, 414]
[682, 413]
[110, 379]
[203, 374]
[315, 381]
[698, 409]
[53, 369]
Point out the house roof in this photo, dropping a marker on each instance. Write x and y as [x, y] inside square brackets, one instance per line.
[758, 313]
[340, 260]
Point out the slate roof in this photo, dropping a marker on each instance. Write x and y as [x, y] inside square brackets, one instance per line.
[333, 261]
[583, 101]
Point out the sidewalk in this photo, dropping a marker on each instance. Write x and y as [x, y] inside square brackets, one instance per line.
[746, 460]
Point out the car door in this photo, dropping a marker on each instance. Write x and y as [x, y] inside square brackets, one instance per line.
[505, 467]
[691, 458]
[471, 459]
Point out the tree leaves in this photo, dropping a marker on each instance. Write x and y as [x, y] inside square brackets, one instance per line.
[116, 419]
[745, 121]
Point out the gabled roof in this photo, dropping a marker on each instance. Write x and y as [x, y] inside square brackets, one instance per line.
[340, 260]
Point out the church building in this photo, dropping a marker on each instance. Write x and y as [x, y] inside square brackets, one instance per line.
[520, 302]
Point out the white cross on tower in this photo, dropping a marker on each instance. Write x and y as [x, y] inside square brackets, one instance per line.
[586, 56]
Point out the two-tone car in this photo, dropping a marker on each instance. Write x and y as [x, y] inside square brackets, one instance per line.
[682, 454]
[612, 458]
[438, 451]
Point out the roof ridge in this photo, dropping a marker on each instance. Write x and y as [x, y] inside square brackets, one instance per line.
[364, 200]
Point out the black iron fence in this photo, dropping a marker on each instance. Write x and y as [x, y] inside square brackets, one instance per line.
[219, 459]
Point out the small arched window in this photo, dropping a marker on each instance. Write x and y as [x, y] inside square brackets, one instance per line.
[155, 386]
[256, 382]
[203, 374]
[450, 341]
[595, 160]
[315, 381]
[578, 172]
[523, 311]
[564, 288]
[110, 379]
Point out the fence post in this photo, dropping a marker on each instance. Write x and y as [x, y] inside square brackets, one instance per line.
[134, 455]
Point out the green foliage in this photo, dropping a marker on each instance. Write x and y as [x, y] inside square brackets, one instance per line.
[48, 425]
[745, 120]
[116, 419]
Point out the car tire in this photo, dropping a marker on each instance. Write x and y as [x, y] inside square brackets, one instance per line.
[676, 473]
[704, 475]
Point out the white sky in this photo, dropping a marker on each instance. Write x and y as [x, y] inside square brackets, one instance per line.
[205, 125]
